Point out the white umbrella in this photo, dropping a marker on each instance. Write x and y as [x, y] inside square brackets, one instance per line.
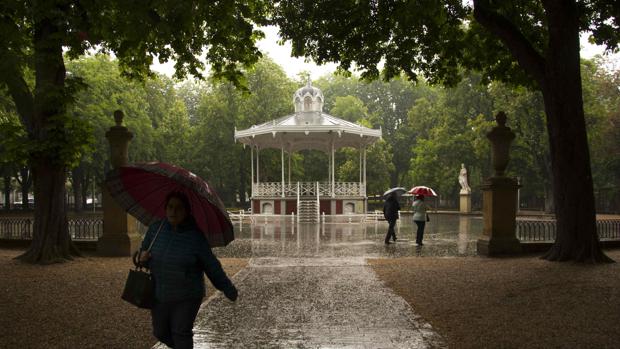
[397, 190]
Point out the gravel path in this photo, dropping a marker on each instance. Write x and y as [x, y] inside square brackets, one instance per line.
[472, 302]
[73, 305]
[522, 302]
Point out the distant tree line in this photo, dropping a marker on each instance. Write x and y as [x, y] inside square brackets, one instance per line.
[428, 131]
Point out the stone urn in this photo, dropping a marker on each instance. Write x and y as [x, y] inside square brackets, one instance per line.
[500, 136]
[119, 137]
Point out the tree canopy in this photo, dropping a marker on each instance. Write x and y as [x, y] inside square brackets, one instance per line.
[529, 43]
[36, 36]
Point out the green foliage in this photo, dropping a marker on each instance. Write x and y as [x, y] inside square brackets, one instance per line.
[215, 157]
[13, 139]
[349, 108]
[601, 100]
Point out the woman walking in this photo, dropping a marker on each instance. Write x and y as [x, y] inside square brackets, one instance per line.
[419, 217]
[178, 257]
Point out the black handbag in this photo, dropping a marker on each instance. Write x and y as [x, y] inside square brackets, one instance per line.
[140, 288]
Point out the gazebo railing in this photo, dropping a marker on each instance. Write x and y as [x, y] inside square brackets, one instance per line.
[308, 189]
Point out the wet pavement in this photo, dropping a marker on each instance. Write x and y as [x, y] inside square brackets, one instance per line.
[311, 303]
[309, 286]
[445, 235]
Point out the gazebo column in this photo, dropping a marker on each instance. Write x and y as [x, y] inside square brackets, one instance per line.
[333, 176]
[364, 156]
[365, 194]
[329, 169]
[360, 165]
[282, 166]
[252, 170]
[289, 166]
[257, 165]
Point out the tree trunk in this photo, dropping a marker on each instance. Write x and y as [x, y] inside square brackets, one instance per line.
[7, 193]
[242, 179]
[26, 182]
[85, 190]
[559, 78]
[77, 174]
[51, 241]
[549, 203]
[573, 191]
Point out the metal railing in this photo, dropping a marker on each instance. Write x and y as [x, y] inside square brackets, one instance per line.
[16, 228]
[545, 230]
[308, 189]
[21, 228]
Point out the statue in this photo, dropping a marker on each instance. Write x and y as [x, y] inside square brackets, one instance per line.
[465, 189]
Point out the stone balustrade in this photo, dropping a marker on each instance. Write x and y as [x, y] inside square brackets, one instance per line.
[267, 189]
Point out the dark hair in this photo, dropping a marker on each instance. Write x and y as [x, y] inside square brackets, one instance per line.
[420, 197]
[182, 197]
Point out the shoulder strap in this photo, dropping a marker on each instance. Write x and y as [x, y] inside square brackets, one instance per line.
[158, 230]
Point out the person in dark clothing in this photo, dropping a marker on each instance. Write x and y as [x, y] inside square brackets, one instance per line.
[390, 212]
[178, 258]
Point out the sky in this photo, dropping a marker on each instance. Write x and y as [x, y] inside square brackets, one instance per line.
[293, 66]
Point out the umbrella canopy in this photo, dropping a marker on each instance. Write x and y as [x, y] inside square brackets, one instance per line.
[422, 190]
[141, 190]
[397, 190]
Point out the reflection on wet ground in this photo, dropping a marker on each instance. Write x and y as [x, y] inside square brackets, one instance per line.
[445, 235]
[311, 303]
[309, 286]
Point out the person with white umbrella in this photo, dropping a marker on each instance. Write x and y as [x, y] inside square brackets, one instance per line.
[390, 212]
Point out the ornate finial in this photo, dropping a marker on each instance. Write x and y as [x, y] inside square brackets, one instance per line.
[500, 118]
[308, 83]
[118, 117]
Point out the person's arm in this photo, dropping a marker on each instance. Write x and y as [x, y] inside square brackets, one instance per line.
[214, 271]
[146, 242]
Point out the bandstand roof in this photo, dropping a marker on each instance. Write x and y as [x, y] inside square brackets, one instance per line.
[308, 128]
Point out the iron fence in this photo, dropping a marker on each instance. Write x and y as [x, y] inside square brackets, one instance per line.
[16, 228]
[545, 230]
[20, 228]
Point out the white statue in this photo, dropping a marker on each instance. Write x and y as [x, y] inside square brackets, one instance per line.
[465, 189]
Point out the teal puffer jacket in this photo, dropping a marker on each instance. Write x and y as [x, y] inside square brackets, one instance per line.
[178, 261]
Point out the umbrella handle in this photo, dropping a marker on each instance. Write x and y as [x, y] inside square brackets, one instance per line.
[136, 260]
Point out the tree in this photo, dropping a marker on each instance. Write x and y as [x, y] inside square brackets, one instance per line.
[221, 109]
[13, 155]
[532, 43]
[33, 38]
[151, 107]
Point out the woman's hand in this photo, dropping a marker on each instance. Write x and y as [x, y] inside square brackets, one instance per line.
[145, 256]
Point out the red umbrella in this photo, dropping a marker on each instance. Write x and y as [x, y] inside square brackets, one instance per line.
[141, 190]
[422, 190]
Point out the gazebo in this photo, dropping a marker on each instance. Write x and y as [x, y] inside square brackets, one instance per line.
[307, 128]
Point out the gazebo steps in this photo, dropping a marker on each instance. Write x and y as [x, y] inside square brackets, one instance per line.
[308, 211]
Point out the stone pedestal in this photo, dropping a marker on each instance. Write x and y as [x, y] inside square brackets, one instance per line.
[120, 233]
[120, 236]
[465, 203]
[499, 213]
[463, 238]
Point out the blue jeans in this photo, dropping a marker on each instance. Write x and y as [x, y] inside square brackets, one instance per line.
[173, 322]
[420, 234]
